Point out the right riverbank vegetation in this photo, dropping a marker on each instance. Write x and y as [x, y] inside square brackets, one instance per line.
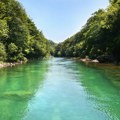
[20, 40]
[98, 39]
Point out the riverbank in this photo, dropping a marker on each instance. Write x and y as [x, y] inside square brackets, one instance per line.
[89, 60]
[7, 64]
[86, 60]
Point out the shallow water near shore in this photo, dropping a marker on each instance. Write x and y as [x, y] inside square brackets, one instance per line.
[60, 89]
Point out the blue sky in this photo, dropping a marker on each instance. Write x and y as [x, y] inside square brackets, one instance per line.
[60, 19]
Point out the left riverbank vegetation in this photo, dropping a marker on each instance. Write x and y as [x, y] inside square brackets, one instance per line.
[98, 39]
[20, 40]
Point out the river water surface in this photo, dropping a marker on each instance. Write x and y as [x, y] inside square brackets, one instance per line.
[60, 89]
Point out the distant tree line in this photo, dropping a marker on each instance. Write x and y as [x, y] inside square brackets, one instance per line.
[99, 37]
[52, 47]
[19, 38]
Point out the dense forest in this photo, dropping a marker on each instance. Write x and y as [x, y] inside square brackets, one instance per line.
[99, 38]
[19, 38]
[52, 47]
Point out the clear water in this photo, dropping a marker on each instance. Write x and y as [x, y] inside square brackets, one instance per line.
[60, 89]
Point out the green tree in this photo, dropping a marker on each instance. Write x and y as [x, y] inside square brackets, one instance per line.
[2, 52]
[99, 37]
[19, 35]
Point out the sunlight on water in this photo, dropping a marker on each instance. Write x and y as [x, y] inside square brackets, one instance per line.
[60, 89]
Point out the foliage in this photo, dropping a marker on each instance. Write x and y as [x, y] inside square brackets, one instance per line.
[2, 52]
[100, 36]
[19, 35]
[52, 47]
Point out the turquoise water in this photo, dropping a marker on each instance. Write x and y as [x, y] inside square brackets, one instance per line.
[60, 89]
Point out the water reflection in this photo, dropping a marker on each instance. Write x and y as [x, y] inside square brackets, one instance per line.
[100, 84]
[63, 96]
[60, 89]
[17, 86]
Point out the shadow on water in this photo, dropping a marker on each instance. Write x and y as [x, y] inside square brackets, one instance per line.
[17, 86]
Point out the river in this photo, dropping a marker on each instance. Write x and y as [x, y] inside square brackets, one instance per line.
[60, 89]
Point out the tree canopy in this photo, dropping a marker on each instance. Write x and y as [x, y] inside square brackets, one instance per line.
[19, 37]
[99, 37]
